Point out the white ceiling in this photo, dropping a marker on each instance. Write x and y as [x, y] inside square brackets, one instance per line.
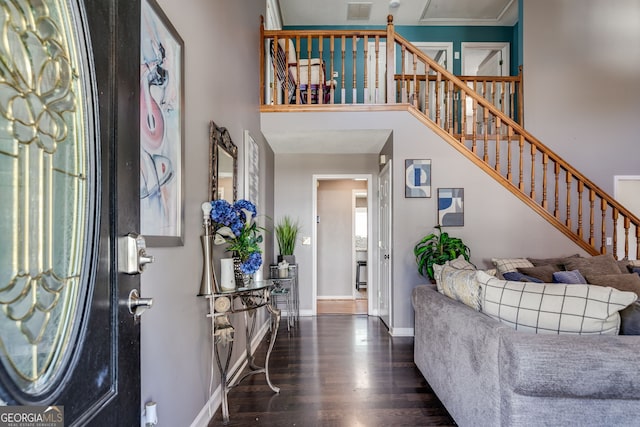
[328, 141]
[409, 12]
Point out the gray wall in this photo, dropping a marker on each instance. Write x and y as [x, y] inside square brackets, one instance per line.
[581, 83]
[497, 224]
[221, 80]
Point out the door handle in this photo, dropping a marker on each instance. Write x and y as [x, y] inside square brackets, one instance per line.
[132, 254]
[138, 305]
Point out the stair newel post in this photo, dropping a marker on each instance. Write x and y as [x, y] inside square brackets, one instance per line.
[391, 40]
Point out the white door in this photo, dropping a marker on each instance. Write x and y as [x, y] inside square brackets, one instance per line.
[376, 74]
[384, 261]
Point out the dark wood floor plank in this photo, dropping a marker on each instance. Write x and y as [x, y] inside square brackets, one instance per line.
[337, 370]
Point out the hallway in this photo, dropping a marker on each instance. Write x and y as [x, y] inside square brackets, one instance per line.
[337, 371]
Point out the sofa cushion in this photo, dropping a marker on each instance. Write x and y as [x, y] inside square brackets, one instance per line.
[505, 265]
[624, 282]
[543, 272]
[516, 276]
[630, 320]
[572, 277]
[460, 285]
[628, 264]
[537, 262]
[553, 308]
[460, 263]
[600, 264]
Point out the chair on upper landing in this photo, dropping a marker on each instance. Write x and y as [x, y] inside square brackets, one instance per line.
[306, 74]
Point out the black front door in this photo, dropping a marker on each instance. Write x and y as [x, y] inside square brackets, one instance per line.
[69, 186]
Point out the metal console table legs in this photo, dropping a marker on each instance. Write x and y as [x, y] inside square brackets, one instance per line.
[246, 300]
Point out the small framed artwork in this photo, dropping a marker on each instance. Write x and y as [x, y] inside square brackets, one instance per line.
[161, 129]
[417, 178]
[451, 207]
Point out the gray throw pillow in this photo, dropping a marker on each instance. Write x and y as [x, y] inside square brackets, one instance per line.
[623, 282]
[596, 265]
[546, 261]
[630, 320]
[543, 272]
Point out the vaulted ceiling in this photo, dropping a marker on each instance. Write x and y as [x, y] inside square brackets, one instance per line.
[406, 12]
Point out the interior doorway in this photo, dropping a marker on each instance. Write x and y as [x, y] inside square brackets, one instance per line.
[342, 248]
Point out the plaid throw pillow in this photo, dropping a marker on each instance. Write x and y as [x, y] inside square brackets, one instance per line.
[553, 308]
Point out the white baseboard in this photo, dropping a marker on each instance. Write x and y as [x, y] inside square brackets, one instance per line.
[306, 313]
[215, 400]
[340, 297]
[401, 332]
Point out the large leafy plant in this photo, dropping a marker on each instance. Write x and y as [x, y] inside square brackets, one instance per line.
[438, 248]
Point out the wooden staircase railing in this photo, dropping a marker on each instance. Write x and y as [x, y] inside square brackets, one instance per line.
[484, 130]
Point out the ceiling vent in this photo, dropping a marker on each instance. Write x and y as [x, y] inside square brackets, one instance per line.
[358, 11]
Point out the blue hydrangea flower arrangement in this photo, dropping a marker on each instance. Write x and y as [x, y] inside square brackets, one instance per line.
[235, 224]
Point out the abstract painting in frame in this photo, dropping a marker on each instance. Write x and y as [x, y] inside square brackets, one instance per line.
[161, 129]
[451, 207]
[417, 178]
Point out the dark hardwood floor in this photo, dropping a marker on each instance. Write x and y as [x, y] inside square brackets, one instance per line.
[337, 370]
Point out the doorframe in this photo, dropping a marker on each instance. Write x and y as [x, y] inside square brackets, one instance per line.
[505, 47]
[315, 178]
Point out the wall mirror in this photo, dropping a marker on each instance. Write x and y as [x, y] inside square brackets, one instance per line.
[223, 169]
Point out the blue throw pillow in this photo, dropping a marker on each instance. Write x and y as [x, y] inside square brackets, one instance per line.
[516, 276]
[633, 269]
[572, 277]
[630, 320]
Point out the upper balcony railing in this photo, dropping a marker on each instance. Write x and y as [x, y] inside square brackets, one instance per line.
[480, 116]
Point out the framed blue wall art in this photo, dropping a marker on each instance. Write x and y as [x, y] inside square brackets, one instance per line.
[417, 178]
[451, 207]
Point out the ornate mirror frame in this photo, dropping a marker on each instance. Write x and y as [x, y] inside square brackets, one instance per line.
[219, 139]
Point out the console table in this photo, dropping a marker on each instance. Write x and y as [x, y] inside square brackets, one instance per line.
[241, 300]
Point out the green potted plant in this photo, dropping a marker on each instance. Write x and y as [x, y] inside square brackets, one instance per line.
[438, 248]
[287, 235]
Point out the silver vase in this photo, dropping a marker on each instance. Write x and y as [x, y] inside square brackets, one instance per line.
[208, 284]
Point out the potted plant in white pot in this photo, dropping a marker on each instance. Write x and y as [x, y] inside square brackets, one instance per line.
[287, 235]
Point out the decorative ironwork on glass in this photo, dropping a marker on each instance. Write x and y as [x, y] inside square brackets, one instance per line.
[46, 163]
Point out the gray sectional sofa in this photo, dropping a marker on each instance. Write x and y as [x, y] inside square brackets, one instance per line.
[488, 374]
